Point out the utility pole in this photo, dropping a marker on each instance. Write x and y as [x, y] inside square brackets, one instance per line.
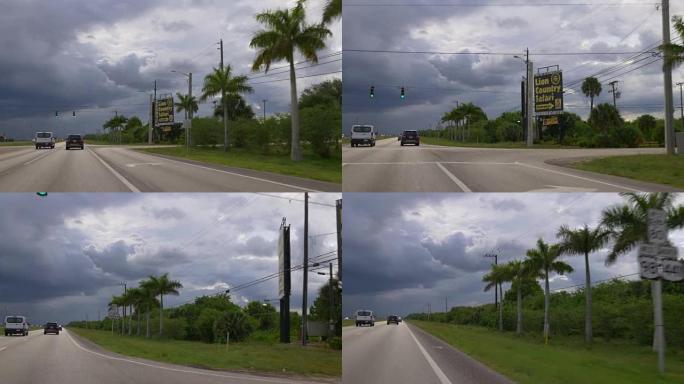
[123, 321]
[338, 209]
[306, 268]
[496, 291]
[446, 309]
[614, 92]
[332, 301]
[264, 100]
[151, 122]
[681, 108]
[530, 98]
[98, 314]
[667, 75]
[225, 105]
[189, 123]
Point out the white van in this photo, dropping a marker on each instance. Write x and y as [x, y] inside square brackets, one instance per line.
[365, 317]
[16, 325]
[363, 134]
[44, 140]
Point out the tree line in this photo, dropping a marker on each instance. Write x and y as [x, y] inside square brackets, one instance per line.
[210, 318]
[625, 307]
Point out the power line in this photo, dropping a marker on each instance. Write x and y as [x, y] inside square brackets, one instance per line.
[294, 199]
[298, 77]
[485, 53]
[596, 282]
[479, 5]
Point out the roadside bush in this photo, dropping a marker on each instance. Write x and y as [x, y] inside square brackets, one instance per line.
[321, 126]
[206, 131]
[238, 324]
[204, 325]
[335, 343]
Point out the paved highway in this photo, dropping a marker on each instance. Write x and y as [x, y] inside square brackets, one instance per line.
[119, 169]
[389, 167]
[65, 358]
[397, 354]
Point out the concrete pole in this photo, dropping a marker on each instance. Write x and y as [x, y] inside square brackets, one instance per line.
[190, 112]
[338, 209]
[306, 268]
[667, 81]
[659, 329]
[332, 301]
[681, 106]
[530, 101]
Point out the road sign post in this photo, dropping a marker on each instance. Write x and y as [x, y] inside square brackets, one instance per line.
[658, 261]
[284, 286]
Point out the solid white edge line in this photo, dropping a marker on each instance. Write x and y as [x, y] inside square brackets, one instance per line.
[116, 174]
[233, 173]
[442, 377]
[2, 349]
[245, 377]
[579, 177]
[453, 178]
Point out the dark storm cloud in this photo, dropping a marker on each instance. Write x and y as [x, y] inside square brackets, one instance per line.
[492, 82]
[99, 56]
[66, 254]
[403, 251]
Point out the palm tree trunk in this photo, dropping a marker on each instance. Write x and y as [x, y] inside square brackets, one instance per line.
[225, 121]
[123, 321]
[147, 315]
[587, 321]
[161, 313]
[591, 101]
[137, 332]
[130, 322]
[546, 306]
[295, 149]
[519, 305]
[500, 308]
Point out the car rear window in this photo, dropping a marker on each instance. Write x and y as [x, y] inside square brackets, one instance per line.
[51, 324]
[362, 128]
[74, 137]
[14, 320]
[411, 133]
[43, 135]
[363, 313]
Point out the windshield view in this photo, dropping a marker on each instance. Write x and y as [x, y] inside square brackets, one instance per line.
[362, 129]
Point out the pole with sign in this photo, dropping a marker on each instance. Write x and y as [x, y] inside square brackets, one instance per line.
[658, 261]
[284, 281]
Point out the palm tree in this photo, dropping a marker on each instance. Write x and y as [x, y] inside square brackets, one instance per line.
[606, 118]
[674, 53]
[116, 125]
[496, 277]
[332, 11]
[148, 301]
[115, 303]
[544, 260]
[160, 286]
[583, 241]
[222, 82]
[471, 113]
[518, 273]
[186, 103]
[591, 88]
[628, 223]
[286, 33]
[135, 301]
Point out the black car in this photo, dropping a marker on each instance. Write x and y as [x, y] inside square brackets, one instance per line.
[393, 319]
[51, 328]
[75, 141]
[410, 137]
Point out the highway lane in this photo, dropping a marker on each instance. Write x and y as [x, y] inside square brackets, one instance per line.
[65, 358]
[397, 354]
[389, 167]
[120, 169]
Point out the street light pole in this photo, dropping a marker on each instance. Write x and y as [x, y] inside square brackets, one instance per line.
[306, 268]
[681, 104]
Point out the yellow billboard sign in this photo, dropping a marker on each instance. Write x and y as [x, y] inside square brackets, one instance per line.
[548, 92]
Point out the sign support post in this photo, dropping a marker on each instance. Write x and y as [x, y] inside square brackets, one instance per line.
[284, 281]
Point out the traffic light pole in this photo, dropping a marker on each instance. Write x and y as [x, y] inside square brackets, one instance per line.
[530, 98]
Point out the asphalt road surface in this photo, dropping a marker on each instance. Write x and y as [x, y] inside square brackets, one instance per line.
[389, 167]
[65, 358]
[398, 354]
[119, 169]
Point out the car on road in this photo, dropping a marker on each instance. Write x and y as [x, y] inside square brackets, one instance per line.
[363, 135]
[16, 325]
[399, 319]
[410, 137]
[44, 140]
[75, 141]
[393, 319]
[51, 328]
[365, 317]
[60, 327]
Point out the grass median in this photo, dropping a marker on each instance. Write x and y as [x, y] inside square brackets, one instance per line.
[281, 359]
[312, 167]
[16, 143]
[525, 359]
[506, 145]
[661, 169]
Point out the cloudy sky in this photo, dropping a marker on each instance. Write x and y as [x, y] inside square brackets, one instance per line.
[406, 250]
[434, 83]
[102, 56]
[65, 255]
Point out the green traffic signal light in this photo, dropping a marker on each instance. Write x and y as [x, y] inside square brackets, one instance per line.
[403, 94]
[42, 194]
[372, 92]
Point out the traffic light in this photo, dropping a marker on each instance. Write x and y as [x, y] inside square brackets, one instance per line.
[73, 113]
[42, 194]
[56, 113]
[403, 93]
[372, 92]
